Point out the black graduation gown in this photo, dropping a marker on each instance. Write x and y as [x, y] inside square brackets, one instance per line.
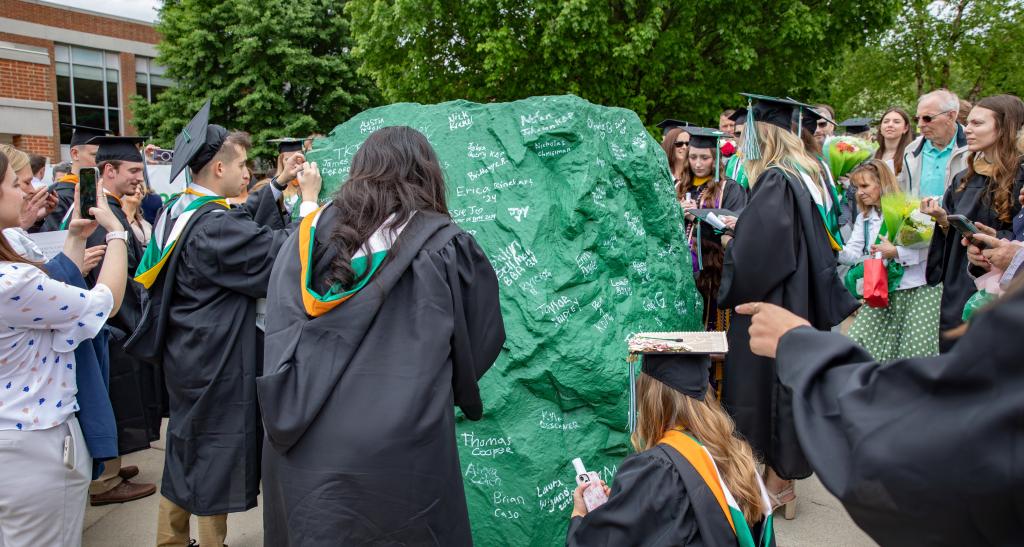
[947, 258]
[923, 451]
[780, 255]
[65, 198]
[136, 388]
[734, 198]
[212, 355]
[360, 446]
[658, 499]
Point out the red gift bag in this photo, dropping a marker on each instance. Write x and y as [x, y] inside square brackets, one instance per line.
[876, 282]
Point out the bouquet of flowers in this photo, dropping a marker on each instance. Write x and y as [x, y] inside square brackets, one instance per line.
[845, 153]
[906, 224]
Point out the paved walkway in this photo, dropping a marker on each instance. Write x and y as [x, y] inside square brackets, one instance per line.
[820, 520]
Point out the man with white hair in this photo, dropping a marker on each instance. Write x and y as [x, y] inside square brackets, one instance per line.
[931, 161]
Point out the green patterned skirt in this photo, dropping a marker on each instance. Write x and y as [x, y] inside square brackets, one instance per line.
[909, 327]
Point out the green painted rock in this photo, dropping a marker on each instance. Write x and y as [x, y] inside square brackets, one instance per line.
[574, 206]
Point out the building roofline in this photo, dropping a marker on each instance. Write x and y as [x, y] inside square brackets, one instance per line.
[90, 12]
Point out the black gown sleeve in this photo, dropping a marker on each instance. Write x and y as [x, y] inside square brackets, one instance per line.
[264, 209]
[938, 250]
[479, 330]
[753, 268]
[734, 197]
[648, 506]
[922, 451]
[234, 252]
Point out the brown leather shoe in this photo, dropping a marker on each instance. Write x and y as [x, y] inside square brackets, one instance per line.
[128, 472]
[126, 491]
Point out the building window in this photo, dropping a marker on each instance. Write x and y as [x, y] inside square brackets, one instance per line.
[88, 82]
[149, 79]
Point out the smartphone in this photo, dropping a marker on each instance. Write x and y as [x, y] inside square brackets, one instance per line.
[962, 225]
[966, 228]
[87, 190]
[69, 452]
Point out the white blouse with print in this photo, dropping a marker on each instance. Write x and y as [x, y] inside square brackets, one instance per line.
[42, 321]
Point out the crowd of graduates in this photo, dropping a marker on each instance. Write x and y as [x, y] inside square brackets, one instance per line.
[263, 324]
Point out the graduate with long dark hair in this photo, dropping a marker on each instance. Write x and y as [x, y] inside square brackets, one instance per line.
[382, 315]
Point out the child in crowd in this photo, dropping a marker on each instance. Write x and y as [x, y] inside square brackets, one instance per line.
[909, 326]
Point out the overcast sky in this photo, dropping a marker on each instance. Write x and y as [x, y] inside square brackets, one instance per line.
[144, 10]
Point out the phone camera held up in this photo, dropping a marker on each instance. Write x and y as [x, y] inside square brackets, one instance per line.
[87, 190]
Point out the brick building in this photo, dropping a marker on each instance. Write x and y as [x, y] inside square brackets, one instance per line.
[67, 65]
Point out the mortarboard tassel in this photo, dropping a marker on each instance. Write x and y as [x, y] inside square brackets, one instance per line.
[632, 392]
[718, 159]
[751, 143]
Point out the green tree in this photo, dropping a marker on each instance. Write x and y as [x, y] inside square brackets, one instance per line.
[271, 67]
[660, 58]
[972, 47]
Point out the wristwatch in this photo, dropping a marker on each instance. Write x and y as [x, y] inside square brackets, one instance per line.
[280, 188]
[122, 235]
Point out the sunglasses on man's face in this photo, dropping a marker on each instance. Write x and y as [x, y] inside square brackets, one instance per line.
[681, 144]
[931, 118]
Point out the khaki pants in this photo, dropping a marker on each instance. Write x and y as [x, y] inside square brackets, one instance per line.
[109, 479]
[172, 528]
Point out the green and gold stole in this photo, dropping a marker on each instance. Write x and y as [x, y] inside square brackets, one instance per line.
[158, 251]
[364, 264]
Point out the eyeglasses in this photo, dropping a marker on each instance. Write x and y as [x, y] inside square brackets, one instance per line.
[681, 144]
[930, 119]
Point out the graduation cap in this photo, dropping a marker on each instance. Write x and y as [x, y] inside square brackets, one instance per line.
[772, 110]
[198, 143]
[82, 134]
[118, 148]
[674, 359]
[856, 125]
[704, 137]
[739, 116]
[288, 144]
[687, 373]
[707, 138]
[666, 125]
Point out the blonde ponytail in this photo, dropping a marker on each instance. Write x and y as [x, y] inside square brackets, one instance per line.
[782, 149]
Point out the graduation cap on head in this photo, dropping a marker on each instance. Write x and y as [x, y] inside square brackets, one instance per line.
[687, 373]
[773, 110]
[82, 134]
[288, 144]
[739, 116]
[856, 125]
[707, 138]
[196, 145]
[118, 148]
[672, 359]
[704, 137]
[666, 125]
